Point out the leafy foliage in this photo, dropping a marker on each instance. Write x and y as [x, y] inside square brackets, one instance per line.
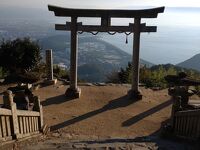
[19, 56]
[126, 74]
[60, 73]
[151, 77]
[20, 60]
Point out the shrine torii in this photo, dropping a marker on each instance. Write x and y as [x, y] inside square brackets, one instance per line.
[105, 26]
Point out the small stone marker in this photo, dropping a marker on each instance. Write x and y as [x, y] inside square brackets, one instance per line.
[49, 64]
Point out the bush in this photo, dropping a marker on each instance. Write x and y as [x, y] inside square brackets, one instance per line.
[197, 88]
[60, 73]
[20, 60]
[113, 77]
[151, 77]
[19, 56]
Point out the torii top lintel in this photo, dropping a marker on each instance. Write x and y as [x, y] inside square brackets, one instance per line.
[112, 13]
[106, 26]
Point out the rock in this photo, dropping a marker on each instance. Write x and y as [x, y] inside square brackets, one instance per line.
[85, 84]
[74, 116]
[45, 129]
[100, 84]
[55, 134]
[111, 84]
[54, 118]
[79, 145]
[66, 135]
[36, 87]
[2, 80]
[60, 86]
[141, 144]
[29, 86]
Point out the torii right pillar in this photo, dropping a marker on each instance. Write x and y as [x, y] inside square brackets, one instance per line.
[135, 92]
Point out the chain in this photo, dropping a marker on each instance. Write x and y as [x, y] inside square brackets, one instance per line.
[111, 33]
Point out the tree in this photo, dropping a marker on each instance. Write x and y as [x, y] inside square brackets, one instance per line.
[113, 77]
[125, 75]
[19, 56]
[60, 72]
[151, 77]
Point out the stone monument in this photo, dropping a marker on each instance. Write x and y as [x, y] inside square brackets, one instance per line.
[49, 65]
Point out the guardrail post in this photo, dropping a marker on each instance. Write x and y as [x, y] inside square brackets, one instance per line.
[41, 117]
[38, 108]
[8, 103]
[176, 106]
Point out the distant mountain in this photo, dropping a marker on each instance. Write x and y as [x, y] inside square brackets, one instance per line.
[192, 63]
[96, 58]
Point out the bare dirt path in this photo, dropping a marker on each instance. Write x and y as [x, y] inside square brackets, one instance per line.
[103, 113]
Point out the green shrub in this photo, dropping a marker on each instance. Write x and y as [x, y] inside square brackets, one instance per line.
[60, 72]
[19, 56]
[150, 77]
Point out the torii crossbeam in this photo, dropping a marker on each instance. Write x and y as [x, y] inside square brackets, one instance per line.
[106, 15]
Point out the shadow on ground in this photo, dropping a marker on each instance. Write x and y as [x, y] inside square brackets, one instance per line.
[56, 100]
[117, 103]
[147, 113]
[114, 104]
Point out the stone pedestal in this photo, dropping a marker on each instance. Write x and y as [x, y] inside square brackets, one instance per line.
[136, 95]
[51, 82]
[73, 93]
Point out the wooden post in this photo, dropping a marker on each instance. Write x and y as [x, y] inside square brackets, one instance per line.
[15, 125]
[134, 92]
[38, 108]
[73, 91]
[176, 106]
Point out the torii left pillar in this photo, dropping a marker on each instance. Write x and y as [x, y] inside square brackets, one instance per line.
[135, 92]
[73, 90]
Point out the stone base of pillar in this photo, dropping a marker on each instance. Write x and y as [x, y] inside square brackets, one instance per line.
[51, 82]
[135, 95]
[73, 93]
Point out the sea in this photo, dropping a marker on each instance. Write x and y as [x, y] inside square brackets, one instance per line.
[170, 44]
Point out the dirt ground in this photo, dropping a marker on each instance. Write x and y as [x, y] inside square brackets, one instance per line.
[103, 112]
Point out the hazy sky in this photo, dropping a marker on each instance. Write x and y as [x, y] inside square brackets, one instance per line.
[100, 3]
[172, 17]
[168, 18]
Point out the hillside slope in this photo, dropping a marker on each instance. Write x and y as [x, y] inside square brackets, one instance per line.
[192, 63]
[96, 58]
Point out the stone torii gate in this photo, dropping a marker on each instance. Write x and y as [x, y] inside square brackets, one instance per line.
[105, 26]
